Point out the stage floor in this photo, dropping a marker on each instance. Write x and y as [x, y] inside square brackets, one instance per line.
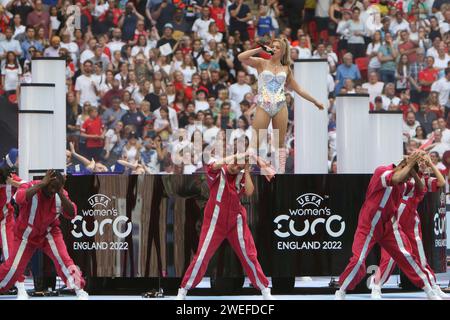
[315, 282]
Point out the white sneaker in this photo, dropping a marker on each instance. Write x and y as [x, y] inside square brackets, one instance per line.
[21, 292]
[376, 292]
[439, 291]
[431, 294]
[339, 295]
[266, 294]
[82, 295]
[182, 292]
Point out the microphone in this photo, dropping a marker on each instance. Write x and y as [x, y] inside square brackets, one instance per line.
[266, 48]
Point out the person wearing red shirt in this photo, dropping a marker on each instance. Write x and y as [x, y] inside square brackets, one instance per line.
[225, 218]
[37, 227]
[377, 223]
[427, 76]
[409, 220]
[9, 182]
[94, 132]
[218, 15]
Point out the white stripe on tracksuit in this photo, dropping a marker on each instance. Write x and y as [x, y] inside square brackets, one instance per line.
[23, 244]
[209, 234]
[244, 252]
[373, 224]
[406, 254]
[64, 269]
[5, 247]
[422, 257]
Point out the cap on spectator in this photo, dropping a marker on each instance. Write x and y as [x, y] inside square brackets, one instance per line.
[168, 25]
[11, 157]
[378, 99]
[202, 89]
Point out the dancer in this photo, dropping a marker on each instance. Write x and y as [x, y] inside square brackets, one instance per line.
[377, 223]
[37, 227]
[274, 74]
[9, 182]
[226, 218]
[409, 220]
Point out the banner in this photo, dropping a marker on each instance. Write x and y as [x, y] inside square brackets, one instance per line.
[148, 226]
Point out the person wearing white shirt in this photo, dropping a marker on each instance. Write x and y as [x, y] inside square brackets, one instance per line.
[398, 24]
[210, 130]
[213, 34]
[438, 145]
[303, 51]
[373, 86]
[173, 119]
[238, 90]
[389, 99]
[70, 46]
[201, 24]
[443, 87]
[372, 52]
[85, 86]
[433, 51]
[116, 43]
[409, 126]
[9, 44]
[442, 58]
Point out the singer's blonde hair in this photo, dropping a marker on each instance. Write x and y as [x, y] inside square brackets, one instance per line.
[286, 51]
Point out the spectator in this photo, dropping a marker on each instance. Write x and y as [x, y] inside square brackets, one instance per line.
[11, 72]
[167, 37]
[9, 44]
[426, 78]
[399, 23]
[347, 70]
[442, 59]
[112, 115]
[390, 100]
[39, 18]
[407, 47]
[238, 90]
[30, 41]
[94, 133]
[427, 119]
[304, 52]
[373, 86]
[442, 86]
[433, 105]
[263, 22]
[85, 86]
[218, 15]
[201, 25]
[438, 146]
[112, 139]
[356, 31]
[134, 117]
[53, 50]
[239, 16]
[21, 8]
[372, 53]
[172, 114]
[415, 69]
[409, 126]
[132, 150]
[387, 54]
[402, 74]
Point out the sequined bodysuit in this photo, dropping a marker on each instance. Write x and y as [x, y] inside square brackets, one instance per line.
[271, 96]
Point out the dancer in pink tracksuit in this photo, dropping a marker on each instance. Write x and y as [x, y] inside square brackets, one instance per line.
[377, 223]
[8, 186]
[409, 220]
[225, 218]
[37, 227]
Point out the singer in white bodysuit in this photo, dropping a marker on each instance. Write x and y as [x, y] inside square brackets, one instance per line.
[274, 75]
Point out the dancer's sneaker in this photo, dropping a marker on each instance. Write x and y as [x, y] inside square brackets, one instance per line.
[82, 295]
[182, 292]
[266, 294]
[431, 294]
[339, 295]
[439, 291]
[22, 294]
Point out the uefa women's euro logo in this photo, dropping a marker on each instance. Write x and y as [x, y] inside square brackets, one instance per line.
[312, 220]
[101, 225]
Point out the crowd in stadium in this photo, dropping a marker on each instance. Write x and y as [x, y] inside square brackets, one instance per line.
[142, 74]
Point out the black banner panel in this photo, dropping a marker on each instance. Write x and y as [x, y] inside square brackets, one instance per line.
[148, 226]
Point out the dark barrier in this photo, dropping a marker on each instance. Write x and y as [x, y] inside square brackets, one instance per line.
[148, 226]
